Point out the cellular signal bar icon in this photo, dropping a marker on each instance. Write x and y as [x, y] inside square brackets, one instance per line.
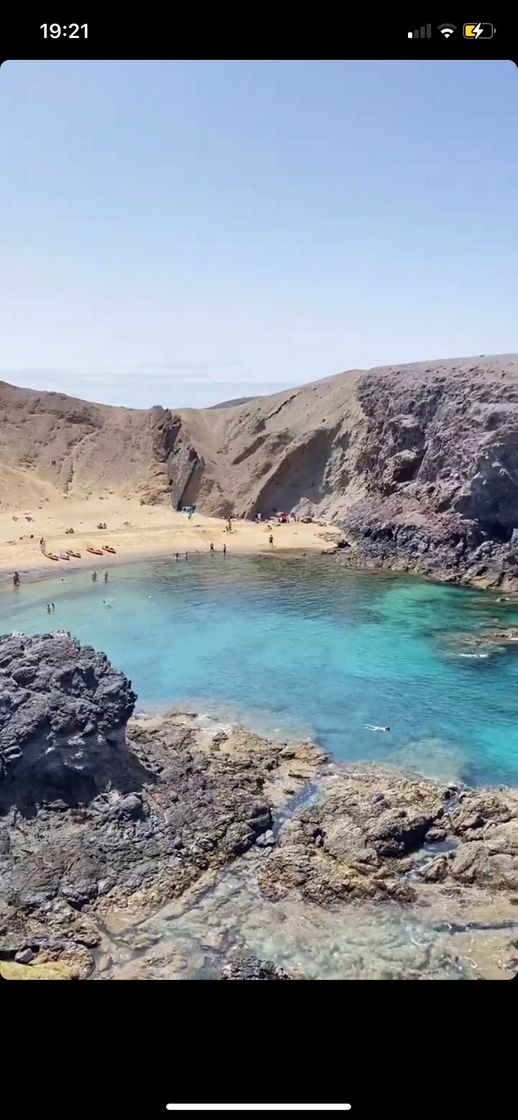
[421, 33]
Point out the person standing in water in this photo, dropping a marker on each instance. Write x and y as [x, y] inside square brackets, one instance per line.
[106, 577]
[224, 549]
[186, 555]
[48, 608]
[212, 548]
[177, 555]
[16, 579]
[94, 577]
[53, 606]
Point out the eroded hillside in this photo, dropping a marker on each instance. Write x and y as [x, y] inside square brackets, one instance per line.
[418, 464]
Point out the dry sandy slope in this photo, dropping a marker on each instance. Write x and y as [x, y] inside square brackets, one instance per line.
[313, 448]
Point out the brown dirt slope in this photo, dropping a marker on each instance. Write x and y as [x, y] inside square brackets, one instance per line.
[415, 462]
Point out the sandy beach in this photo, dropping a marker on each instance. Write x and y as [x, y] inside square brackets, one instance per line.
[136, 532]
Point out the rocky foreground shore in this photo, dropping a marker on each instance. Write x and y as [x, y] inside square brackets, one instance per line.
[106, 821]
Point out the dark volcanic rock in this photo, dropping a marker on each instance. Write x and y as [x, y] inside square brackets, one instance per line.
[252, 968]
[97, 815]
[63, 710]
[438, 461]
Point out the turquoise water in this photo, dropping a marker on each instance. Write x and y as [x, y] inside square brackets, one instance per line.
[304, 647]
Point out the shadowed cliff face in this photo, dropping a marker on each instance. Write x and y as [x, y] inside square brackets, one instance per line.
[418, 464]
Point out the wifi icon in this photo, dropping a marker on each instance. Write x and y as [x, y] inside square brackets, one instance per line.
[447, 29]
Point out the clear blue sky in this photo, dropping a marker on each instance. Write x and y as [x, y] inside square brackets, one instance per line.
[185, 232]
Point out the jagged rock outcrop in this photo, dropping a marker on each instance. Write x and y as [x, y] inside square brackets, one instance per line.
[63, 713]
[97, 813]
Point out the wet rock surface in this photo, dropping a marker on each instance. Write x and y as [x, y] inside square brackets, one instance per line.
[373, 833]
[251, 968]
[197, 852]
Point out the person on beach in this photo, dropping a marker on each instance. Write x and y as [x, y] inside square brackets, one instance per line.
[224, 549]
[106, 577]
[270, 540]
[16, 579]
[212, 548]
[43, 544]
[229, 525]
[94, 577]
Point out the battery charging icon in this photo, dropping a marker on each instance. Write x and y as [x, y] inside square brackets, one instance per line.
[478, 30]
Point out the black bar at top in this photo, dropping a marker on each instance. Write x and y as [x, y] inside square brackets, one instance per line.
[145, 32]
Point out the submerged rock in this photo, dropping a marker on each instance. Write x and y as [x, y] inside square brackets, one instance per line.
[252, 968]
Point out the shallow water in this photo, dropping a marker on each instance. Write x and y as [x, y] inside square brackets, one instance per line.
[307, 648]
[193, 938]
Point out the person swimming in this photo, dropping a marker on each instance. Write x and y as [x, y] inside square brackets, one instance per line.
[375, 727]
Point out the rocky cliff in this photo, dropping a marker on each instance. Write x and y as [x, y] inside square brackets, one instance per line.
[417, 464]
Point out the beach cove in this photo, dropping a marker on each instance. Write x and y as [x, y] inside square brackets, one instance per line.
[137, 532]
[307, 649]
